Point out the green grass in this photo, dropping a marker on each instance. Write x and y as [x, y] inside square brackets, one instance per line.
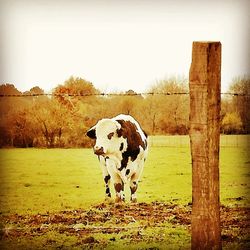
[183, 141]
[39, 180]
[234, 176]
[51, 180]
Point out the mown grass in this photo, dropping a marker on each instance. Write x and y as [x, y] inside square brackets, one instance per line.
[38, 180]
[51, 180]
[183, 141]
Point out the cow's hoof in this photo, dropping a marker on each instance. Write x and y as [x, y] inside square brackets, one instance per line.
[108, 200]
[134, 200]
[119, 200]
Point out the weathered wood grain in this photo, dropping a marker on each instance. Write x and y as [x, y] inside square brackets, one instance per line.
[204, 83]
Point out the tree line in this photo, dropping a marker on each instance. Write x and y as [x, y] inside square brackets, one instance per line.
[61, 120]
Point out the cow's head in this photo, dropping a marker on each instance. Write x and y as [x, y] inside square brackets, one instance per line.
[107, 135]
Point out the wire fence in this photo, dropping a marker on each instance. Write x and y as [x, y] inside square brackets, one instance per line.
[168, 116]
[112, 94]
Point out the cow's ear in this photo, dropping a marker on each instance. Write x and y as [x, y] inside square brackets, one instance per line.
[91, 133]
[120, 130]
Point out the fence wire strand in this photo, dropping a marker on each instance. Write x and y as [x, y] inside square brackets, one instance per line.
[112, 94]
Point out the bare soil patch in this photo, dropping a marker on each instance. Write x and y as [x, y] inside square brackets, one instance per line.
[119, 219]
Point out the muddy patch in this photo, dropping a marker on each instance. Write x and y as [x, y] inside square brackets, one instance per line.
[121, 221]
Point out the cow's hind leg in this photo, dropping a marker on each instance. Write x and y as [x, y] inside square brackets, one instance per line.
[119, 189]
[134, 182]
[133, 188]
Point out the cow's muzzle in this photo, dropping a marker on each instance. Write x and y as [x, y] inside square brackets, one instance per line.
[98, 151]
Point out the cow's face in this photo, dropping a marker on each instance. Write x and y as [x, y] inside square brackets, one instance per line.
[108, 139]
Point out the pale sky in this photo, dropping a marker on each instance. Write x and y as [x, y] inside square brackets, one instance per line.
[117, 45]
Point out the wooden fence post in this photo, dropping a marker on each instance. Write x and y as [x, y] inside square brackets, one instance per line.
[204, 84]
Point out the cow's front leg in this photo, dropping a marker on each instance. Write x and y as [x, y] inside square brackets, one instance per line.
[116, 179]
[107, 188]
[106, 177]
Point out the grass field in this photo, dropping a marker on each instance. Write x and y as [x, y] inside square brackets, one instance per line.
[57, 182]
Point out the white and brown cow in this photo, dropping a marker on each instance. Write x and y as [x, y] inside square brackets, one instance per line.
[121, 146]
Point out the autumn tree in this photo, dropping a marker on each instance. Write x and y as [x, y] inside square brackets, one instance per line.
[150, 109]
[7, 102]
[231, 123]
[75, 91]
[19, 128]
[241, 101]
[15, 122]
[169, 106]
[35, 119]
[52, 121]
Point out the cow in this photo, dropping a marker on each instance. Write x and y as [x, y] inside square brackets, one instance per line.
[121, 146]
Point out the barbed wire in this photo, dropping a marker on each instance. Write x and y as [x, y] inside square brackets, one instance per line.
[111, 94]
[235, 94]
[92, 94]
